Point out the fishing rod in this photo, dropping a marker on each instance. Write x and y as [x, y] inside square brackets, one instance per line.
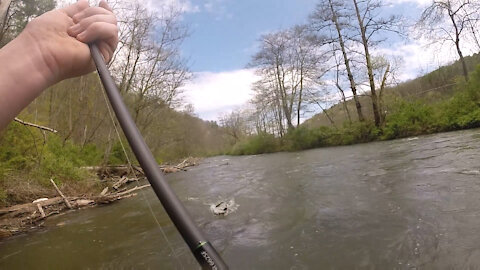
[204, 252]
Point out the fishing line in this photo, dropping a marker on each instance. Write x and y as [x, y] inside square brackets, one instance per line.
[201, 248]
[138, 182]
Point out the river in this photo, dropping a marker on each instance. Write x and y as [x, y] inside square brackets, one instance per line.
[405, 204]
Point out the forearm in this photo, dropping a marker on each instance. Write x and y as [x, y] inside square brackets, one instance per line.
[23, 76]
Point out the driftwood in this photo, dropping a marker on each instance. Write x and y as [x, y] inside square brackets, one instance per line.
[35, 125]
[125, 170]
[120, 182]
[188, 162]
[40, 209]
[67, 203]
[117, 170]
[19, 218]
[22, 217]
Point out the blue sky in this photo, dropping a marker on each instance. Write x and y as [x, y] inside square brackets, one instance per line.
[225, 34]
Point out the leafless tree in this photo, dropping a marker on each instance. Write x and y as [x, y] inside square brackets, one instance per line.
[289, 63]
[370, 26]
[331, 18]
[148, 64]
[234, 124]
[450, 21]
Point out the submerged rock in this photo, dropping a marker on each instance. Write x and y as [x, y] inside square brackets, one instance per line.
[224, 207]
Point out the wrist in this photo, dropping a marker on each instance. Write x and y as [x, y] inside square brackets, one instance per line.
[23, 76]
[38, 57]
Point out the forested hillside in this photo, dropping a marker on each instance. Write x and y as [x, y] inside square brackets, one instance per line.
[436, 86]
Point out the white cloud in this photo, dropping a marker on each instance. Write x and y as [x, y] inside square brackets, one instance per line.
[420, 57]
[185, 6]
[418, 2]
[214, 93]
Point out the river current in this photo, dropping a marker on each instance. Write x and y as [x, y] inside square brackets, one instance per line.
[405, 204]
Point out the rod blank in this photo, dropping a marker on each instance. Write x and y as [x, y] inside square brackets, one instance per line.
[203, 251]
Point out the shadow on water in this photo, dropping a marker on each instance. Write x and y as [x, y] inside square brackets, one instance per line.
[404, 204]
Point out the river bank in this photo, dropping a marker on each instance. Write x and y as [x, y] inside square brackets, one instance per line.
[114, 183]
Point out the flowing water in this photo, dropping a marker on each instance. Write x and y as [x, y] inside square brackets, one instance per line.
[404, 204]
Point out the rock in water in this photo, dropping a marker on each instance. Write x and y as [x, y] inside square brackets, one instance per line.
[224, 207]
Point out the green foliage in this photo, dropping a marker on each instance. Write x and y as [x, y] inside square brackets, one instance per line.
[62, 160]
[306, 138]
[408, 119]
[117, 156]
[25, 151]
[257, 144]
[463, 109]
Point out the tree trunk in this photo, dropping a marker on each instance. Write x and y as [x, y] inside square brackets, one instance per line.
[353, 86]
[457, 44]
[380, 95]
[371, 80]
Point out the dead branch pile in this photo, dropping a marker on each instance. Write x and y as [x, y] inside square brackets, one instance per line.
[22, 217]
[119, 171]
[182, 166]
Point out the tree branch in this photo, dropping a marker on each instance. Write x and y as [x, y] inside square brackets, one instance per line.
[35, 126]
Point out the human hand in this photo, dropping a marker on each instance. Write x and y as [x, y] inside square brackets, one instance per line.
[61, 36]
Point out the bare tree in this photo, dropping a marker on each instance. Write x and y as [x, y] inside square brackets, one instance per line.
[384, 70]
[148, 64]
[331, 18]
[234, 125]
[448, 21]
[15, 14]
[370, 26]
[289, 63]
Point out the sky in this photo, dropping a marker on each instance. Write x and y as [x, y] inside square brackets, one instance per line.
[225, 35]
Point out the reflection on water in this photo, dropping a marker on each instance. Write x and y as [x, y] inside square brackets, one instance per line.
[404, 204]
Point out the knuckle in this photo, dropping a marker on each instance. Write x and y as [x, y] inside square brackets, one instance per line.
[95, 27]
[85, 23]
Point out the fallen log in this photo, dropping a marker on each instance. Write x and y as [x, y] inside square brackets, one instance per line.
[119, 170]
[29, 207]
[67, 203]
[120, 182]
